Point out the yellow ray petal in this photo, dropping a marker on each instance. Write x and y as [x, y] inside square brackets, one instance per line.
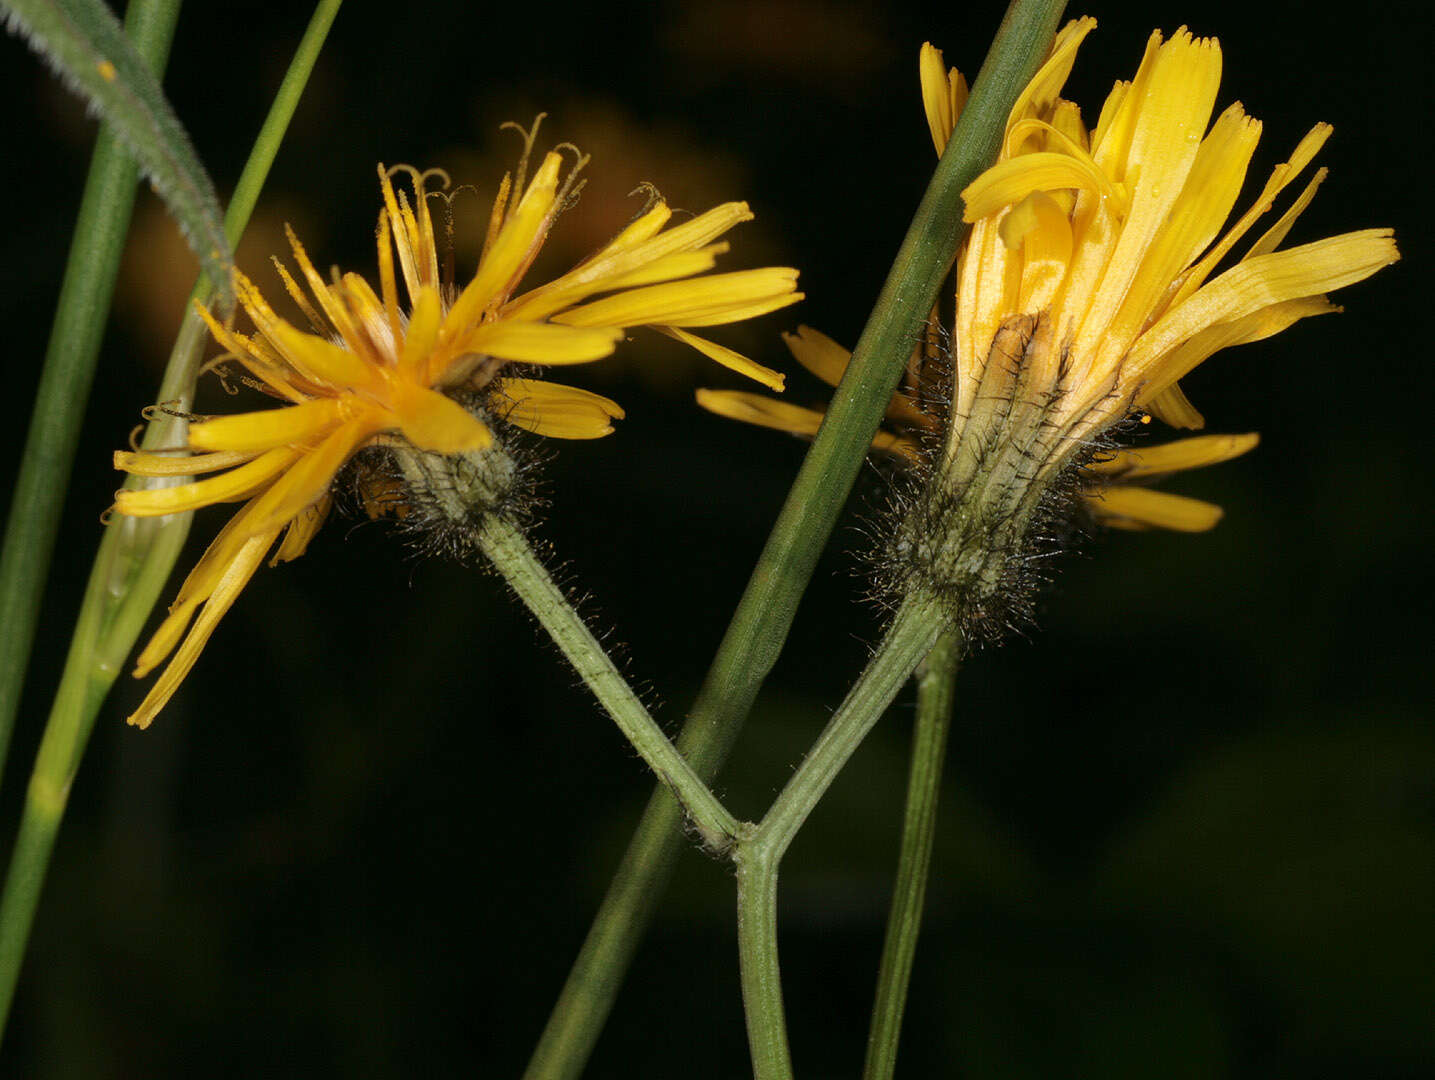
[267, 428]
[436, 423]
[1254, 327]
[783, 416]
[309, 478]
[620, 259]
[936, 95]
[555, 410]
[1264, 281]
[1141, 508]
[232, 486]
[728, 358]
[421, 335]
[301, 531]
[235, 577]
[246, 351]
[762, 411]
[1010, 181]
[697, 302]
[1173, 408]
[512, 250]
[543, 343]
[1276, 233]
[1040, 93]
[1144, 461]
[818, 353]
[146, 463]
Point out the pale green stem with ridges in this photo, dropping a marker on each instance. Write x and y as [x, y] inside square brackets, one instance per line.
[914, 631]
[936, 683]
[760, 625]
[134, 561]
[509, 551]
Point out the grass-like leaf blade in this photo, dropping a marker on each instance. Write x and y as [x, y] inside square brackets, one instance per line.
[87, 47]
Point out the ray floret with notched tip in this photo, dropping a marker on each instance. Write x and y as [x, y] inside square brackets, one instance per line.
[374, 371]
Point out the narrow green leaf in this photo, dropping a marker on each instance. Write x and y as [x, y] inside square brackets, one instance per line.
[85, 44]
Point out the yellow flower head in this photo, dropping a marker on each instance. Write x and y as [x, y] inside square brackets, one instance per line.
[372, 371]
[1086, 284]
[1098, 272]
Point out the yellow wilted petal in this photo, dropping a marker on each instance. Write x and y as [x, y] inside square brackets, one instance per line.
[762, 411]
[146, 463]
[1172, 407]
[235, 577]
[551, 409]
[1141, 508]
[1264, 281]
[511, 252]
[1145, 461]
[1046, 243]
[782, 416]
[236, 484]
[1281, 229]
[936, 95]
[302, 530]
[543, 343]
[1281, 175]
[644, 227]
[818, 353]
[728, 358]
[1041, 92]
[309, 478]
[681, 302]
[1165, 140]
[245, 351]
[614, 263]
[318, 359]
[267, 428]
[436, 423]
[421, 335]
[1010, 181]
[1254, 327]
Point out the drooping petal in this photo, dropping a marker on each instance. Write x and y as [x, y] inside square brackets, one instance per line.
[437, 423]
[557, 411]
[228, 588]
[1141, 508]
[728, 358]
[1140, 462]
[818, 353]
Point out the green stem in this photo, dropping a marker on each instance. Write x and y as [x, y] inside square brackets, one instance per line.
[135, 558]
[764, 615]
[936, 681]
[508, 549]
[912, 635]
[68, 373]
[761, 977]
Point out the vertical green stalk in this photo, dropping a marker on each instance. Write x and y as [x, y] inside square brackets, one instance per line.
[764, 615]
[936, 683]
[914, 632]
[133, 564]
[68, 373]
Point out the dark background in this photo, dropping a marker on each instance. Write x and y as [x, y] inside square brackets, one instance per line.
[1188, 827]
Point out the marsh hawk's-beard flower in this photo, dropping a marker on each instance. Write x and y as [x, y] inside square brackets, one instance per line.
[427, 383]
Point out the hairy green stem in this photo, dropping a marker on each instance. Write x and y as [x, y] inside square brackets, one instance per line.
[509, 551]
[936, 682]
[914, 631]
[135, 558]
[764, 615]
